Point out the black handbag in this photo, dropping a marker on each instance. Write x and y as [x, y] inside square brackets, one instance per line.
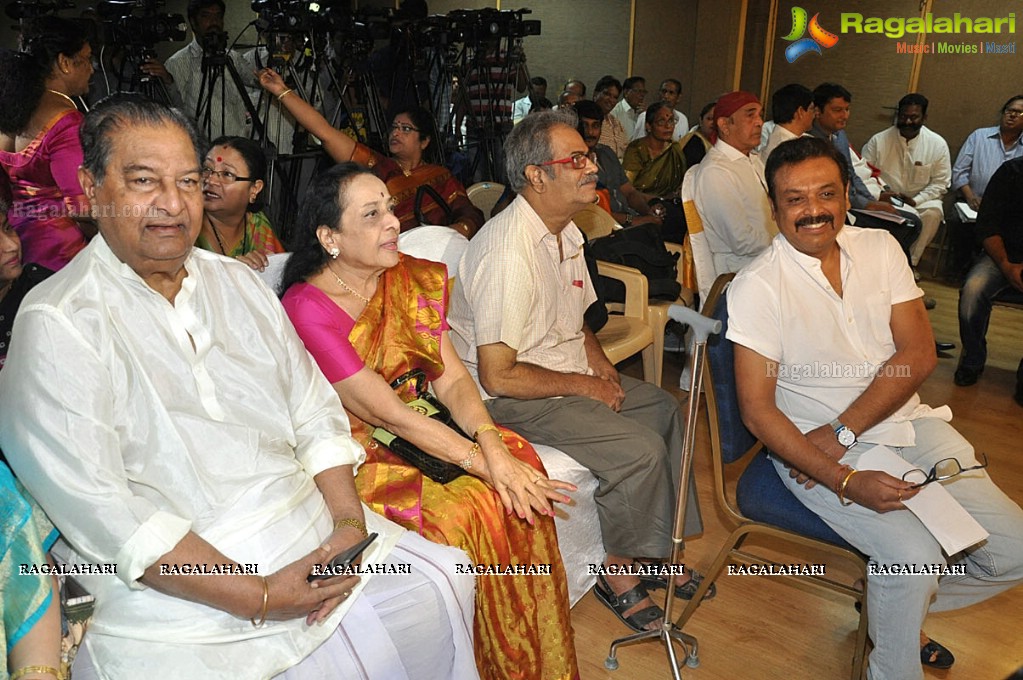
[436, 469]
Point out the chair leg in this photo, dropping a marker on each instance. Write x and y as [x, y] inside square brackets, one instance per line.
[650, 368]
[859, 665]
[734, 540]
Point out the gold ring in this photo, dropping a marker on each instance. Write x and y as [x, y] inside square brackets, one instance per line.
[538, 478]
[900, 495]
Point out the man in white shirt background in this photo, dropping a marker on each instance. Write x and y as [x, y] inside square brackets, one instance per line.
[793, 112]
[632, 103]
[915, 164]
[729, 189]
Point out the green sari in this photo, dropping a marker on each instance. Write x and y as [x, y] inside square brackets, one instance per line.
[661, 175]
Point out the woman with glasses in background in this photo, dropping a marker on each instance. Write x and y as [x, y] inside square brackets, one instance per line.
[39, 148]
[655, 165]
[403, 172]
[233, 221]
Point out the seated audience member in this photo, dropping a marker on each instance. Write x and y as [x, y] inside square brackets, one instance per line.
[629, 206]
[612, 134]
[915, 165]
[655, 166]
[234, 223]
[982, 153]
[358, 304]
[865, 191]
[537, 93]
[174, 419]
[16, 279]
[632, 103]
[697, 142]
[30, 626]
[998, 269]
[729, 190]
[517, 320]
[408, 170]
[793, 112]
[39, 149]
[654, 163]
[576, 87]
[567, 98]
[787, 310]
[671, 90]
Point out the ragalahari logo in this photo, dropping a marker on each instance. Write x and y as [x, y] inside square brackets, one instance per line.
[818, 36]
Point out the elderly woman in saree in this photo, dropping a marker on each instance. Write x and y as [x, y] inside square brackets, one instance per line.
[368, 315]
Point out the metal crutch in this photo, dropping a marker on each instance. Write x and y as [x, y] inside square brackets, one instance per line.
[703, 327]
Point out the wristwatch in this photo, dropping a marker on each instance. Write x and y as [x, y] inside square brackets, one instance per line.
[628, 219]
[846, 437]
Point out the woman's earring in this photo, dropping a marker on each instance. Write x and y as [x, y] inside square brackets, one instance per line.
[334, 252]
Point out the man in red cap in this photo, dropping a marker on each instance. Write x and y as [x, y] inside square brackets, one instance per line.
[729, 188]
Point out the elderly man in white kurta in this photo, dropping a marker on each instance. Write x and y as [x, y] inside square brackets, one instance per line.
[915, 164]
[163, 411]
[729, 191]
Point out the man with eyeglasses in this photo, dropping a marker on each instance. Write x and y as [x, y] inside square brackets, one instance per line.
[982, 153]
[671, 90]
[516, 317]
[843, 298]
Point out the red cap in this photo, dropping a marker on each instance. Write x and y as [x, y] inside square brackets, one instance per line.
[727, 104]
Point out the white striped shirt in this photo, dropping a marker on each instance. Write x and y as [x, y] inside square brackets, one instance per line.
[514, 287]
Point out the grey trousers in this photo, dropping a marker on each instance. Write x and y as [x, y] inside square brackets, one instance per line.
[635, 454]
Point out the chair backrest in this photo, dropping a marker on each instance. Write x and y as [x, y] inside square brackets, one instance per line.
[484, 195]
[703, 258]
[439, 244]
[759, 493]
[594, 221]
[271, 276]
[734, 440]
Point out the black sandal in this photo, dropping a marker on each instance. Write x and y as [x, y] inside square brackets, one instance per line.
[686, 590]
[619, 604]
[936, 655]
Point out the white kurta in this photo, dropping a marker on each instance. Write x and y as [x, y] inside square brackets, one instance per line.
[921, 167]
[134, 421]
[731, 196]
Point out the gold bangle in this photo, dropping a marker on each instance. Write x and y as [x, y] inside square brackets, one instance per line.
[352, 522]
[845, 483]
[283, 94]
[466, 463]
[485, 427]
[25, 670]
[266, 600]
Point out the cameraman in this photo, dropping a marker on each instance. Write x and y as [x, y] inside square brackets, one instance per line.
[206, 17]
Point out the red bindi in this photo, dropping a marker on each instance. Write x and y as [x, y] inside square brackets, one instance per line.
[219, 159]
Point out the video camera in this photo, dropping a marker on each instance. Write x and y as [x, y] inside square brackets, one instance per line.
[27, 9]
[489, 24]
[138, 23]
[300, 16]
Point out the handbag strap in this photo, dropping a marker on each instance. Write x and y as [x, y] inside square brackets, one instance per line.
[423, 189]
[417, 375]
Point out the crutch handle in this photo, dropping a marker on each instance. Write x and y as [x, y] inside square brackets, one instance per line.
[703, 326]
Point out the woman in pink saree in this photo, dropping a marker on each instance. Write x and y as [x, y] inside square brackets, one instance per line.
[39, 148]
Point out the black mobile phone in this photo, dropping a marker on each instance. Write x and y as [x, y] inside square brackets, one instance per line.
[342, 561]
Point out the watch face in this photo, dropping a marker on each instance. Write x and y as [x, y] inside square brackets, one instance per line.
[846, 437]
